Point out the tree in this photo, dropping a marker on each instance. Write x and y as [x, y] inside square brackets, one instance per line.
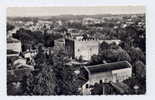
[109, 55]
[123, 55]
[136, 54]
[40, 83]
[65, 78]
[96, 59]
[113, 55]
[104, 46]
[140, 69]
[40, 58]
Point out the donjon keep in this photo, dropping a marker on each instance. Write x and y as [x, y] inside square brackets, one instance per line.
[82, 48]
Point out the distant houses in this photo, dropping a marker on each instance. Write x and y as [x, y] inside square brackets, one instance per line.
[87, 40]
[91, 21]
[13, 47]
[15, 58]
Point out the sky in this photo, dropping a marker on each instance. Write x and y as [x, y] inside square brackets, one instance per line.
[54, 11]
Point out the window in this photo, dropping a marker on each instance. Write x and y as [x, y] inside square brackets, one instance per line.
[86, 86]
[101, 81]
[105, 80]
[78, 50]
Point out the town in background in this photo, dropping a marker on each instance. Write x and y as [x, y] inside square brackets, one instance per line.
[100, 54]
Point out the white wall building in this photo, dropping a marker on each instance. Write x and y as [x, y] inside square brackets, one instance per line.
[85, 47]
[110, 72]
[13, 45]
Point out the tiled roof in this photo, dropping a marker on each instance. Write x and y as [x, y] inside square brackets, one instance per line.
[108, 67]
[12, 40]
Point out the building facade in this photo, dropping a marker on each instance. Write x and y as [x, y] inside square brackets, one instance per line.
[106, 73]
[82, 48]
[13, 47]
[85, 48]
[59, 42]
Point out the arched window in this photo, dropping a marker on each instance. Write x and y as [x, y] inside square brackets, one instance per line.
[86, 86]
[101, 82]
[78, 50]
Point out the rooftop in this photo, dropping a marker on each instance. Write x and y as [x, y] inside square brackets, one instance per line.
[108, 67]
[12, 40]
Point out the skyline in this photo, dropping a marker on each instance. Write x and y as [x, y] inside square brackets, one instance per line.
[55, 11]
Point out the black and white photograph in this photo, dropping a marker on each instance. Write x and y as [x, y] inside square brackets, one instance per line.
[82, 51]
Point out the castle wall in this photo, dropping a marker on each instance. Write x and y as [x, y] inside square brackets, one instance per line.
[69, 46]
[85, 48]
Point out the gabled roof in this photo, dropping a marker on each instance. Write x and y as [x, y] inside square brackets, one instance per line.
[12, 40]
[108, 67]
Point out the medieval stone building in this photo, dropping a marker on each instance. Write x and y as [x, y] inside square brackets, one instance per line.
[84, 48]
